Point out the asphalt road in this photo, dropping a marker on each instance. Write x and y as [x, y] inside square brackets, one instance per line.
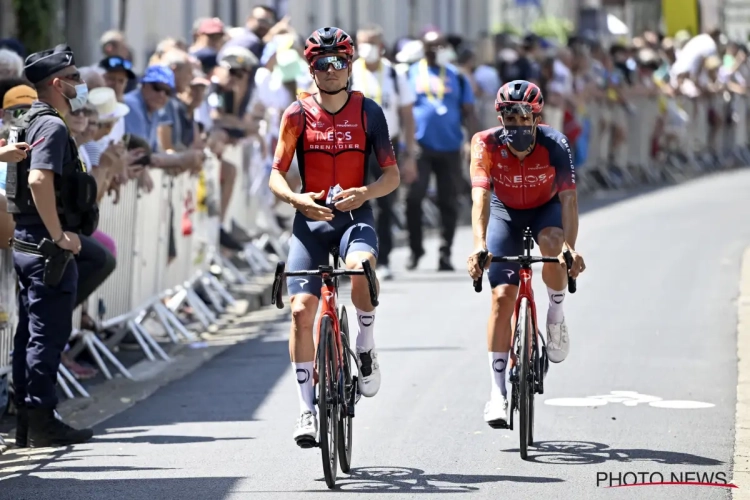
[654, 315]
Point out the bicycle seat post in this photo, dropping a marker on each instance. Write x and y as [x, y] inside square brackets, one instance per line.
[528, 242]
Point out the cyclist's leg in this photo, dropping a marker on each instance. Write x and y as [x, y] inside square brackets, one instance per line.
[360, 242]
[546, 226]
[308, 249]
[504, 237]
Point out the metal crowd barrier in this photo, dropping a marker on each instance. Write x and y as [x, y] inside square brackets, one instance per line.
[168, 253]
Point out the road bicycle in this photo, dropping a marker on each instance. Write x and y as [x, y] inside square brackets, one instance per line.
[529, 355]
[337, 390]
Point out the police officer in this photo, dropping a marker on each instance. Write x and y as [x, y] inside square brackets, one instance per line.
[51, 203]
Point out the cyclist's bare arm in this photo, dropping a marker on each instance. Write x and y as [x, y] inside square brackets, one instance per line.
[292, 123]
[479, 171]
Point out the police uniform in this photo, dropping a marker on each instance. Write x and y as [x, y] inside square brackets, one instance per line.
[45, 303]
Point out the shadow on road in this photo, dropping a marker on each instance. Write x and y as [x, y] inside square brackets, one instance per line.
[412, 481]
[588, 453]
[38, 488]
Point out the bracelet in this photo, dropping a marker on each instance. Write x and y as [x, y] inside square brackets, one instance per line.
[58, 240]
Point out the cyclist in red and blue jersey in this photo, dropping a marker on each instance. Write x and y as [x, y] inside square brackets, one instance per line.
[522, 176]
[333, 133]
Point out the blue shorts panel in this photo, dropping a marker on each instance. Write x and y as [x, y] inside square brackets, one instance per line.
[312, 241]
[505, 235]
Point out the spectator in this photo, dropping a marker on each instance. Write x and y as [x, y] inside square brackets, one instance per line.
[147, 102]
[15, 100]
[261, 26]
[114, 44]
[444, 100]
[377, 79]
[117, 73]
[11, 64]
[5, 85]
[177, 129]
[209, 36]
[167, 45]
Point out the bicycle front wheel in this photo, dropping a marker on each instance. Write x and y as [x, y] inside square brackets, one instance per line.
[525, 404]
[348, 391]
[327, 401]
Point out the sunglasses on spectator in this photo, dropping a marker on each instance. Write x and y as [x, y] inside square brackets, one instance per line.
[513, 108]
[119, 62]
[161, 88]
[338, 63]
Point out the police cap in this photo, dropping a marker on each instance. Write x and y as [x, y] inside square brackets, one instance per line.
[42, 65]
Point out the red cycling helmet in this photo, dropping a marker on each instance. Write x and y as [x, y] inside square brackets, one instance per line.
[519, 96]
[330, 40]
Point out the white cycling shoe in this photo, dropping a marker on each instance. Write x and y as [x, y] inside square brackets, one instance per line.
[306, 432]
[369, 372]
[558, 342]
[496, 412]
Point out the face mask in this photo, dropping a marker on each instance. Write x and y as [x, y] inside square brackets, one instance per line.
[445, 56]
[520, 137]
[289, 65]
[370, 53]
[82, 96]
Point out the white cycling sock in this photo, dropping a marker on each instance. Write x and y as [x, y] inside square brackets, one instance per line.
[305, 391]
[555, 311]
[365, 330]
[498, 363]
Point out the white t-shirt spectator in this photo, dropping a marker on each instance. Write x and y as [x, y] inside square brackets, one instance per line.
[562, 79]
[381, 87]
[695, 50]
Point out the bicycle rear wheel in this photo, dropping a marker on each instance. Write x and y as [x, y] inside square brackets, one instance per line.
[327, 401]
[524, 362]
[349, 394]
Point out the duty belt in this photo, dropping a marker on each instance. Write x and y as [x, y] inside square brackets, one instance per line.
[24, 247]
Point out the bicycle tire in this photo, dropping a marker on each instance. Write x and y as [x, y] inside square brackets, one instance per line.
[345, 421]
[522, 331]
[327, 406]
[533, 366]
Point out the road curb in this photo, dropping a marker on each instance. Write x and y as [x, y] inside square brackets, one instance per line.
[741, 460]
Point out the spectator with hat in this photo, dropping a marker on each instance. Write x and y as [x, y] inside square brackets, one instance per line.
[147, 102]
[45, 307]
[117, 73]
[209, 36]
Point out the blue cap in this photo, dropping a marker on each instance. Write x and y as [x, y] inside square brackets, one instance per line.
[159, 74]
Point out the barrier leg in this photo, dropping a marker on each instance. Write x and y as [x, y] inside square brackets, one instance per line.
[153, 343]
[220, 289]
[169, 316]
[70, 378]
[164, 322]
[236, 275]
[64, 386]
[135, 331]
[86, 337]
[212, 296]
[199, 308]
[98, 344]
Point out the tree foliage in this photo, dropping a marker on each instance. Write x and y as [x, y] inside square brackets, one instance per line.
[35, 23]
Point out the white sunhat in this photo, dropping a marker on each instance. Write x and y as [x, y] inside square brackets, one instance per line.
[105, 102]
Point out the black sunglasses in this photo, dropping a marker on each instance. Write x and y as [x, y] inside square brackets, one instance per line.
[161, 88]
[338, 63]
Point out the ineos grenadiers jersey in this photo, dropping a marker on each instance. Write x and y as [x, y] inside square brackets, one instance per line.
[528, 183]
[333, 148]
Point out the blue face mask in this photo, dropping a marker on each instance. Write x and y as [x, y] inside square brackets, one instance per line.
[520, 137]
[82, 96]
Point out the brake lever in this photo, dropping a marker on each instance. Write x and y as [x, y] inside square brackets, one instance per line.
[482, 261]
[276, 297]
[569, 263]
[367, 268]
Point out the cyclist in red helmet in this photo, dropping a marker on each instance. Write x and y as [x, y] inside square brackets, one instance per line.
[333, 133]
[522, 176]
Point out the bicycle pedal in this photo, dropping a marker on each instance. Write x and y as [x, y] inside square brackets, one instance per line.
[306, 442]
